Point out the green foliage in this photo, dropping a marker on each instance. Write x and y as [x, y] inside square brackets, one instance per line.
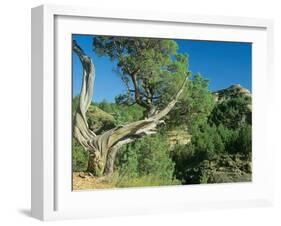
[127, 161]
[147, 66]
[75, 102]
[125, 181]
[229, 138]
[147, 158]
[185, 159]
[207, 141]
[79, 157]
[232, 113]
[122, 114]
[244, 140]
[195, 105]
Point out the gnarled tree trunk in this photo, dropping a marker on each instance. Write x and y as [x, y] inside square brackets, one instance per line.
[103, 148]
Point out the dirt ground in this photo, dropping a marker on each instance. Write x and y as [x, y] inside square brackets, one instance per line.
[84, 181]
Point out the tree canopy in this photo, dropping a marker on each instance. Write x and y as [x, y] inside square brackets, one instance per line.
[146, 66]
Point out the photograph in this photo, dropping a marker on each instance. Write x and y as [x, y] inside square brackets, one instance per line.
[149, 111]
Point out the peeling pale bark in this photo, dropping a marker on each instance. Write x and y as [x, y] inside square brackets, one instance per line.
[80, 127]
[103, 148]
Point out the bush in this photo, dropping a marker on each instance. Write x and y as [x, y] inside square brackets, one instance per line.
[147, 158]
[79, 157]
[244, 140]
[207, 141]
[127, 161]
[232, 113]
[184, 158]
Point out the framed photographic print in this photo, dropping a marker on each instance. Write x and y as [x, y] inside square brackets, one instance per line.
[137, 112]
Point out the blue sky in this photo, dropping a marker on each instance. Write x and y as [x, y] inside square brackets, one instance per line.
[222, 63]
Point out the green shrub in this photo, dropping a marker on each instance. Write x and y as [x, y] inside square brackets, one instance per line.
[244, 140]
[232, 113]
[147, 158]
[184, 158]
[79, 157]
[207, 141]
[127, 161]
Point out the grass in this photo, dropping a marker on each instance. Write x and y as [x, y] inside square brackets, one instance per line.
[83, 181]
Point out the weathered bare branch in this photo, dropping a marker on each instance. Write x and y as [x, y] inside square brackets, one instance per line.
[81, 129]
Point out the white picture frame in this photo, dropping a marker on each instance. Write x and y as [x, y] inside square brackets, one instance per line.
[52, 196]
